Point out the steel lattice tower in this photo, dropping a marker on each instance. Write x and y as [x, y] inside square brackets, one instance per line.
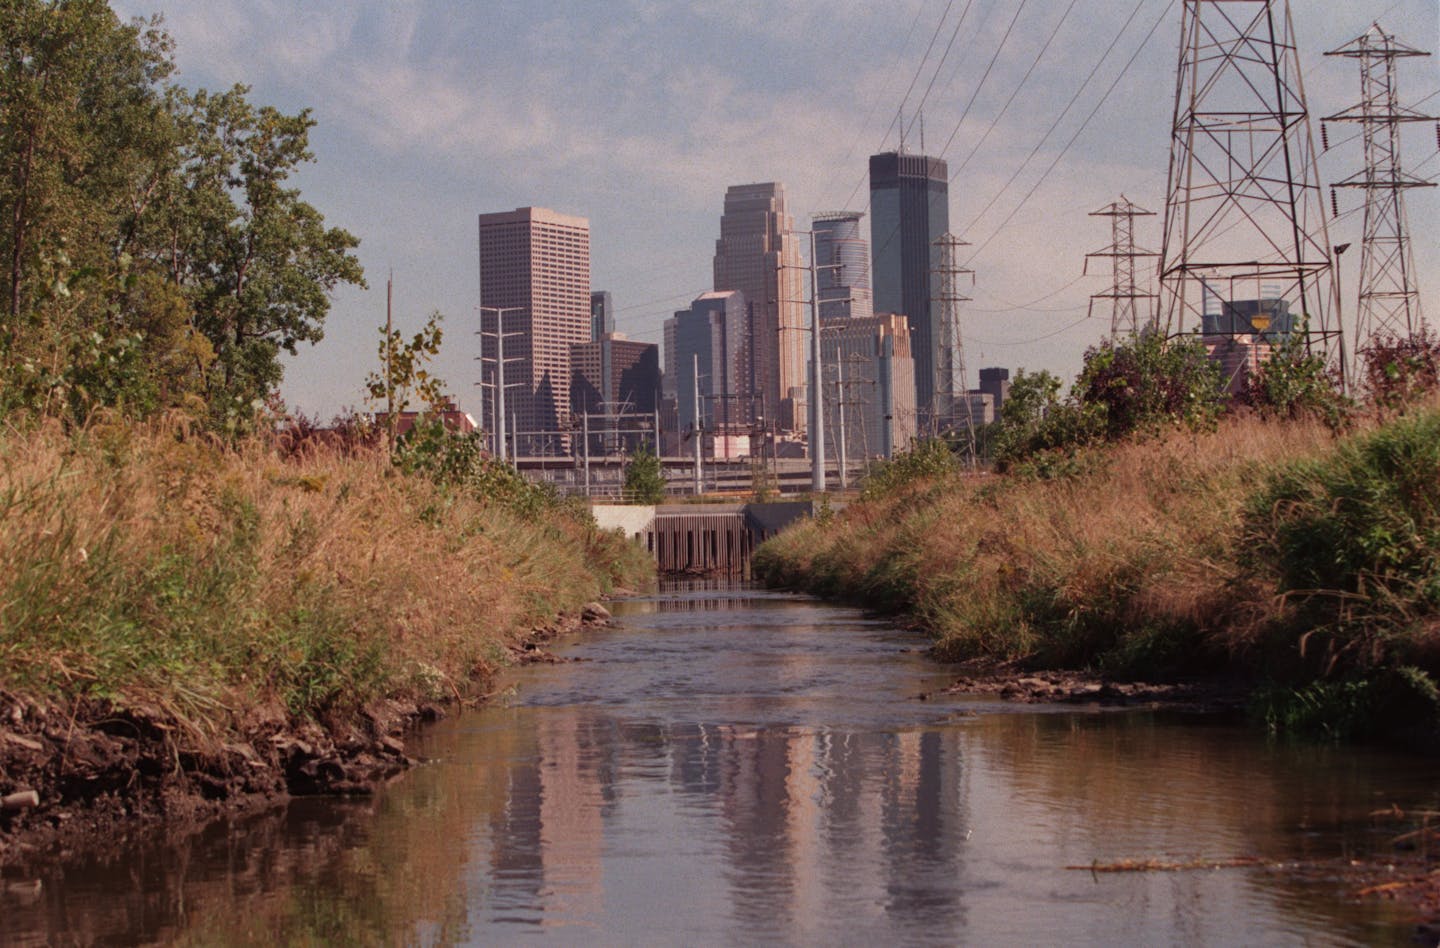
[951, 386]
[1125, 316]
[1244, 216]
[1389, 298]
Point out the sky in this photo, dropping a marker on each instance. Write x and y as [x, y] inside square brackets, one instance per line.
[638, 114]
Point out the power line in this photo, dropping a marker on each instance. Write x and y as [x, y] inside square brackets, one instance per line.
[919, 110]
[1083, 125]
[1104, 57]
[994, 121]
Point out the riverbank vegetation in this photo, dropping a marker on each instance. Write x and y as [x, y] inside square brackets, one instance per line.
[154, 564]
[200, 595]
[1288, 536]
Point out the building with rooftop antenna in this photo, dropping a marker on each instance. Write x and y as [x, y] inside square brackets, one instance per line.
[909, 212]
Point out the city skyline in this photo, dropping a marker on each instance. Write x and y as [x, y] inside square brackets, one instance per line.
[535, 296]
[432, 112]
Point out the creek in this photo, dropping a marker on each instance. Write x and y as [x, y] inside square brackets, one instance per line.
[727, 765]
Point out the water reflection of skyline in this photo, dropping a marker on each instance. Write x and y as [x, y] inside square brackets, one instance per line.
[806, 824]
[762, 775]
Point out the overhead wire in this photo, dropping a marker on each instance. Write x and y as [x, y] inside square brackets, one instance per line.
[919, 110]
[1083, 126]
[995, 120]
[875, 102]
[1079, 91]
[919, 70]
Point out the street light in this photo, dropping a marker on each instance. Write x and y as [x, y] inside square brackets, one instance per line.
[1340, 316]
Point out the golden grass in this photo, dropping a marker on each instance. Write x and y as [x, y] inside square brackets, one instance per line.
[1126, 564]
[155, 565]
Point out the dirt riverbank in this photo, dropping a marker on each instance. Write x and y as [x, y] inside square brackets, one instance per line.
[1014, 682]
[83, 772]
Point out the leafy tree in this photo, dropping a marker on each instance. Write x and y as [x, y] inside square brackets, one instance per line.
[79, 109]
[150, 250]
[1294, 382]
[644, 478]
[1037, 423]
[1399, 370]
[256, 263]
[1147, 382]
[926, 459]
[403, 373]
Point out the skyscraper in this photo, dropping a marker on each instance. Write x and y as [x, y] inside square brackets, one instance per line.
[602, 315]
[909, 211]
[758, 254]
[714, 331]
[842, 260]
[536, 262]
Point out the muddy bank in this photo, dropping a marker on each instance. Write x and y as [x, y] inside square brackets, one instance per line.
[82, 772]
[1013, 682]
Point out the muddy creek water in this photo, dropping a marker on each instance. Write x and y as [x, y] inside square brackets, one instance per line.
[732, 766]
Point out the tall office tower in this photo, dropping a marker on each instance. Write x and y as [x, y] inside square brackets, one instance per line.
[759, 255]
[870, 378]
[842, 261]
[713, 334]
[602, 315]
[909, 212]
[535, 264]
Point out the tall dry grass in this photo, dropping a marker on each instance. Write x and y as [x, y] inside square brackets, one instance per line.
[1130, 565]
[154, 565]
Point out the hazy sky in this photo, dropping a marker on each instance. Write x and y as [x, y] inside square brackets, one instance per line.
[639, 113]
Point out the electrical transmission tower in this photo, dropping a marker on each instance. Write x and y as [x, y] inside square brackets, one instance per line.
[1126, 315]
[1389, 297]
[1244, 222]
[952, 390]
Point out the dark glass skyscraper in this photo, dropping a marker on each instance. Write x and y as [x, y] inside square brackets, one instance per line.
[909, 211]
[842, 258]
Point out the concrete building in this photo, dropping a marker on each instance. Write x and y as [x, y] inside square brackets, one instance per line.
[869, 371]
[842, 261]
[758, 255]
[714, 331]
[602, 315]
[537, 262]
[909, 211]
[614, 373]
[995, 382]
[618, 380]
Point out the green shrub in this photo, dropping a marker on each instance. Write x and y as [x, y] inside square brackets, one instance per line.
[1400, 370]
[925, 460]
[1353, 540]
[1295, 383]
[644, 478]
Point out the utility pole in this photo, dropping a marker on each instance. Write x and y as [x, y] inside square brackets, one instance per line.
[1389, 302]
[1243, 211]
[840, 408]
[498, 386]
[698, 429]
[817, 399]
[389, 362]
[951, 385]
[1125, 317]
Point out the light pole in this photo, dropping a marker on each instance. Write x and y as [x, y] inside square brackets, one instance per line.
[1340, 319]
[817, 399]
[499, 384]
